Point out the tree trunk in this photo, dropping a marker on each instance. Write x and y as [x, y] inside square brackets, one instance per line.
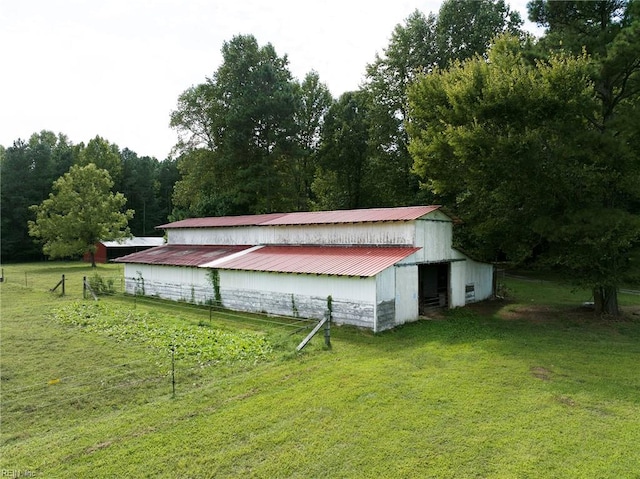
[93, 259]
[605, 300]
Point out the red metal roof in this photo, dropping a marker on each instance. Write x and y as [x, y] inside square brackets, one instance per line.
[181, 255]
[406, 213]
[219, 221]
[329, 260]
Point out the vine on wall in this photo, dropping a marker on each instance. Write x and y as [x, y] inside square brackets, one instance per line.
[214, 278]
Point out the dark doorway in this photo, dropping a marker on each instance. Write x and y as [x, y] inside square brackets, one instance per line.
[433, 286]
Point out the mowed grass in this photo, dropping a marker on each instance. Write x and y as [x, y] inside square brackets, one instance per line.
[530, 387]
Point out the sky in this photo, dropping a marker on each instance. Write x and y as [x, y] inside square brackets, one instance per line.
[115, 68]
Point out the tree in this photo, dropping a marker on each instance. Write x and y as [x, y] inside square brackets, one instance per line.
[28, 170]
[104, 155]
[412, 50]
[237, 133]
[609, 31]
[467, 27]
[343, 154]
[461, 29]
[141, 186]
[515, 150]
[81, 211]
[313, 103]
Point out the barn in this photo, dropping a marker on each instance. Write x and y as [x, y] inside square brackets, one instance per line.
[108, 250]
[380, 267]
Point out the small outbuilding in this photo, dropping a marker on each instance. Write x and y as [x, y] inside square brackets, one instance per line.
[108, 250]
[381, 267]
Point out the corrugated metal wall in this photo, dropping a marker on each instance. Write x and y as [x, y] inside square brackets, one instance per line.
[178, 283]
[353, 299]
[396, 233]
[435, 236]
[406, 293]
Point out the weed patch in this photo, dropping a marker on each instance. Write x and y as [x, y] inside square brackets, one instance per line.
[198, 343]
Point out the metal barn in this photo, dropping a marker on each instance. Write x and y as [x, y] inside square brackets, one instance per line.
[382, 267]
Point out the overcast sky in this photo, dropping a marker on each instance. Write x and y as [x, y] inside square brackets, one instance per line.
[115, 68]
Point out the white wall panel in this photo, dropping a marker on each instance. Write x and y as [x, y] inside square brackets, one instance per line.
[339, 287]
[458, 282]
[434, 235]
[392, 233]
[480, 275]
[406, 293]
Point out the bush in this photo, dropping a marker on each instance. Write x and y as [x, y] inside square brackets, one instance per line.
[100, 286]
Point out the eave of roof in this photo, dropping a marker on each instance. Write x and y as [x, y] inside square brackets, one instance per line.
[362, 261]
[407, 213]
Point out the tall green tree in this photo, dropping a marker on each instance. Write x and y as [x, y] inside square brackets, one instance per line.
[412, 50]
[238, 133]
[104, 155]
[514, 148]
[609, 31]
[461, 29]
[141, 186]
[467, 27]
[313, 103]
[81, 211]
[342, 174]
[27, 172]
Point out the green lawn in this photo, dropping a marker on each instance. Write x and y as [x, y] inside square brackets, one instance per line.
[530, 387]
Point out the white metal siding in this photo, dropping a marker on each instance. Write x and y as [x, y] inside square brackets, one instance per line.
[434, 235]
[339, 287]
[168, 282]
[480, 275]
[391, 233]
[458, 282]
[406, 293]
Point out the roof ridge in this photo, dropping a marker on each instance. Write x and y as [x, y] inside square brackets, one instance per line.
[358, 215]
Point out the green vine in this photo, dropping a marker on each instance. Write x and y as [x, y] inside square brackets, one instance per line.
[214, 278]
[139, 289]
[294, 307]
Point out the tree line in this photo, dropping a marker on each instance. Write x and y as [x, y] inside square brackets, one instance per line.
[30, 169]
[532, 142]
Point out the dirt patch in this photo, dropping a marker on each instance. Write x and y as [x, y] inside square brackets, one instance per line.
[539, 313]
[97, 447]
[541, 373]
[566, 400]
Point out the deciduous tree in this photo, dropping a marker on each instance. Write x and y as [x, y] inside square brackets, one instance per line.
[514, 148]
[27, 170]
[342, 175]
[81, 211]
[238, 133]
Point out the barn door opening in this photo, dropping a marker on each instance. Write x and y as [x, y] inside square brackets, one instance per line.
[433, 286]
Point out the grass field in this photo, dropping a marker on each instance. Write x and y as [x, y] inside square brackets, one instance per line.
[530, 387]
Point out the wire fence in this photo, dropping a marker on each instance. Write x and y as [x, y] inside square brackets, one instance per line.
[121, 382]
[117, 385]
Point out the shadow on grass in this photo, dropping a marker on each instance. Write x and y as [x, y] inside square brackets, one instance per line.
[510, 324]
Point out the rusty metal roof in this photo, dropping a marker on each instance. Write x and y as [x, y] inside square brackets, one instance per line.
[406, 213]
[220, 221]
[181, 255]
[364, 261]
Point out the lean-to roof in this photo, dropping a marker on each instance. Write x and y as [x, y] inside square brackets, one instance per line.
[181, 255]
[364, 261]
[361, 261]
